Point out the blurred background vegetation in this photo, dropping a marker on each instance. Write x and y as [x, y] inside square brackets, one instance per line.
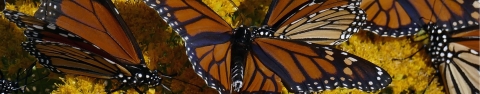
[164, 50]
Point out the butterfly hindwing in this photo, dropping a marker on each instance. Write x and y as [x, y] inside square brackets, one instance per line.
[308, 67]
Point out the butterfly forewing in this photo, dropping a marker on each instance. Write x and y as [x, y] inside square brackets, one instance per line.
[329, 27]
[183, 15]
[284, 12]
[207, 38]
[101, 25]
[50, 32]
[469, 38]
[397, 18]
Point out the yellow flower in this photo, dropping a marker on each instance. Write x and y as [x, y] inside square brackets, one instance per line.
[80, 85]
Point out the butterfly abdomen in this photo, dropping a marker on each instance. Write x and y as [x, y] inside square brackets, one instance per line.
[241, 41]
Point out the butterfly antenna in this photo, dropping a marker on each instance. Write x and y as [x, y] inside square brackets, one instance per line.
[239, 14]
[410, 56]
[164, 86]
[139, 91]
[429, 83]
[171, 77]
[420, 36]
[234, 5]
[29, 73]
[18, 79]
[116, 89]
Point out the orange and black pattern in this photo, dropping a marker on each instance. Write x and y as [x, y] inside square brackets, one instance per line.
[254, 60]
[85, 37]
[313, 20]
[397, 18]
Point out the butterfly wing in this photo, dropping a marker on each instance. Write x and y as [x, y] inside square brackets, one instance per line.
[456, 57]
[328, 22]
[461, 75]
[307, 67]
[63, 58]
[38, 29]
[397, 18]
[97, 22]
[284, 12]
[258, 78]
[329, 27]
[206, 36]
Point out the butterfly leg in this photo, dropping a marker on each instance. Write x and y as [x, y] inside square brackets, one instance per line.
[139, 91]
[116, 89]
[410, 55]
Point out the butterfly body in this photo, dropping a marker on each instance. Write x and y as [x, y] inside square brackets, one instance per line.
[241, 42]
[455, 56]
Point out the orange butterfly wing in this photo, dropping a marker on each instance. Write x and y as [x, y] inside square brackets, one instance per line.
[307, 67]
[397, 18]
[258, 78]
[56, 45]
[98, 22]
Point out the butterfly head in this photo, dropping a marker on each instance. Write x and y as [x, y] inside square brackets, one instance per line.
[242, 36]
[265, 31]
[154, 79]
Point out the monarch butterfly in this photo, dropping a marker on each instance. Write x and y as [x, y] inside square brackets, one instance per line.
[289, 48]
[455, 57]
[8, 86]
[397, 18]
[96, 43]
